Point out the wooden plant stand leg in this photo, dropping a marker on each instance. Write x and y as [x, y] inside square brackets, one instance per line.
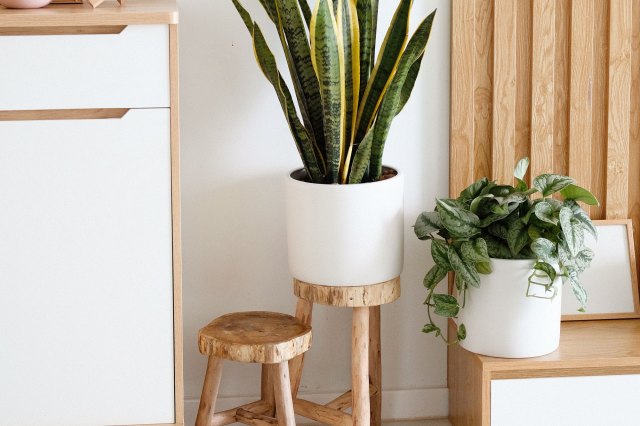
[267, 388]
[304, 312]
[209, 395]
[282, 387]
[375, 365]
[360, 367]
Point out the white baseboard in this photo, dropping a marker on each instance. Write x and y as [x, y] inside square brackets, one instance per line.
[396, 404]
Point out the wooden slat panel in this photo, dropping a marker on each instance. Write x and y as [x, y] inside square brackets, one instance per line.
[580, 130]
[483, 95]
[462, 42]
[619, 109]
[561, 88]
[600, 91]
[504, 90]
[523, 80]
[542, 84]
[634, 128]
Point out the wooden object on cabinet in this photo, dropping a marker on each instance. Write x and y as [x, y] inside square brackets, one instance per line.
[366, 365]
[96, 3]
[69, 19]
[587, 348]
[269, 338]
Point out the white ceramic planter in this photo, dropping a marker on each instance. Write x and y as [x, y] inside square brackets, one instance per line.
[345, 235]
[502, 321]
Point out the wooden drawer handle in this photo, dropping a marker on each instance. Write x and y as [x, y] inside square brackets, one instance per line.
[64, 114]
[38, 31]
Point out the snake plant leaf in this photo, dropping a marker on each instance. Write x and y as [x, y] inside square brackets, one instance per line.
[328, 62]
[295, 43]
[347, 20]
[409, 83]
[270, 7]
[367, 13]
[246, 17]
[577, 193]
[306, 11]
[360, 163]
[391, 101]
[306, 148]
[386, 64]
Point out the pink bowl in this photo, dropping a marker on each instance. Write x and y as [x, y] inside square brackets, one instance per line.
[24, 4]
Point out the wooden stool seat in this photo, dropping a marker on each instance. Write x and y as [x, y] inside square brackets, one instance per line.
[260, 337]
[268, 338]
[365, 396]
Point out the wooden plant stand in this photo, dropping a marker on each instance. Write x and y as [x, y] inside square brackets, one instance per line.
[366, 364]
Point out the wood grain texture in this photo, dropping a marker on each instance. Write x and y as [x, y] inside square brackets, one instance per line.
[542, 86]
[619, 109]
[176, 219]
[320, 413]
[462, 103]
[483, 90]
[304, 313]
[254, 419]
[634, 127]
[229, 416]
[524, 43]
[353, 296]
[40, 31]
[375, 365]
[206, 409]
[265, 337]
[137, 12]
[599, 119]
[282, 389]
[562, 84]
[361, 413]
[64, 114]
[580, 119]
[504, 91]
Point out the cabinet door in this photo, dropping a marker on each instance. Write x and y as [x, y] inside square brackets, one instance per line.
[566, 401]
[86, 288]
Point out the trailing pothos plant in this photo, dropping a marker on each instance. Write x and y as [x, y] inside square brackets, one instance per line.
[346, 94]
[490, 220]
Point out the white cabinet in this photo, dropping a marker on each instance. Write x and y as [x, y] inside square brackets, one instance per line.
[566, 401]
[90, 320]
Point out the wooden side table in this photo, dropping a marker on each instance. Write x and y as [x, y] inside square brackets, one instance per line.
[366, 363]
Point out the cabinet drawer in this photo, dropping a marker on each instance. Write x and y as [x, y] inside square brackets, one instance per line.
[566, 401]
[86, 271]
[126, 69]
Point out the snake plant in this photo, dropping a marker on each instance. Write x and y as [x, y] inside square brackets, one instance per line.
[347, 96]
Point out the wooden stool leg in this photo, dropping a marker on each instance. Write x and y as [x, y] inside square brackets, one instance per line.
[304, 312]
[284, 402]
[267, 386]
[375, 365]
[360, 367]
[209, 392]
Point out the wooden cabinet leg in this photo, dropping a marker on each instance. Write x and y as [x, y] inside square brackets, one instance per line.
[304, 311]
[209, 392]
[284, 402]
[360, 366]
[375, 365]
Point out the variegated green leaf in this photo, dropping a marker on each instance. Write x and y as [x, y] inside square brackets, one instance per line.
[306, 11]
[497, 248]
[446, 305]
[295, 43]
[430, 328]
[544, 211]
[572, 231]
[545, 250]
[517, 236]
[578, 290]
[360, 163]
[577, 193]
[549, 184]
[457, 221]
[475, 189]
[270, 7]
[386, 64]
[392, 98]
[583, 259]
[475, 251]
[409, 83]
[461, 333]
[328, 62]
[434, 276]
[521, 168]
[426, 224]
[547, 270]
[440, 254]
[467, 272]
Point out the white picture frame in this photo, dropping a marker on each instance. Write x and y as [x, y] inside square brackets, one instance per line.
[611, 281]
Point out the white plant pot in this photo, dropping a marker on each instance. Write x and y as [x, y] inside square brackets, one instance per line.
[345, 235]
[501, 321]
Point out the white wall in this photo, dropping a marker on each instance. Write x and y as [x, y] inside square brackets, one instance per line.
[236, 150]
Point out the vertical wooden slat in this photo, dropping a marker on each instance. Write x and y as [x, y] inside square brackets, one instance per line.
[634, 128]
[504, 90]
[483, 92]
[542, 86]
[619, 109]
[561, 88]
[580, 130]
[523, 79]
[600, 91]
[462, 47]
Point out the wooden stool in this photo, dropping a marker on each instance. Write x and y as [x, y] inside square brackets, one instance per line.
[269, 338]
[366, 364]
